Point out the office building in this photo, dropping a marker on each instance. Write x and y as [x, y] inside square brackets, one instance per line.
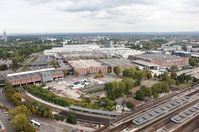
[5, 36]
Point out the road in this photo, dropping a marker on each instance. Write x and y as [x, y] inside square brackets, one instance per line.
[4, 100]
[5, 121]
[49, 125]
[3, 116]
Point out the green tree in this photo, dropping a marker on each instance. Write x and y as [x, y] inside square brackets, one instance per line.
[22, 109]
[165, 76]
[54, 63]
[3, 67]
[173, 75]
[117, 70]
[109, 69]
[71, 118]
[139, 95]
[29, 128]
[174, 68]
[129, 105]
[193, 61]
[14, 62]
[155, 95]
[16, 98]
[148, 74]
[19, 121]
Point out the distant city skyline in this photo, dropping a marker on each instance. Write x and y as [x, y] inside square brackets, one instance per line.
[60, 16]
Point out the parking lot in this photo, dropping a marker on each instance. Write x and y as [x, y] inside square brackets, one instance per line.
[69, 86]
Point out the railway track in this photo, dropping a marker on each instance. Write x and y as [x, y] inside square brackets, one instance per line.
[127, 120]
[165, 120]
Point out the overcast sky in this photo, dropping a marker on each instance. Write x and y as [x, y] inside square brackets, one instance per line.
[30, 16]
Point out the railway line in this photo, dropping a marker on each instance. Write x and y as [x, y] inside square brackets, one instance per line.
[126, 121]
[154, 126]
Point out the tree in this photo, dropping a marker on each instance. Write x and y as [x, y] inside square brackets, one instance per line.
[173, 75]
[148, 74]
[16, 98]
[139, 95]
[54, 63]
[29, 128]
[117, 70]
[109, 69]
[193, 61]
[147, 91]
[155, 75]
[14, 62]
[155, 94]
[65, 73]
[19, 110]
[129, 83]
[19, 121]
[174, 68]
[129, 105]
[165, 76]
[184, 47]
[71, 118]
[3, 67]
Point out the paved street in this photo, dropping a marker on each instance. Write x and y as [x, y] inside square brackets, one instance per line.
[4, 101]
[5, 121]
[3, 116]
[49, 125]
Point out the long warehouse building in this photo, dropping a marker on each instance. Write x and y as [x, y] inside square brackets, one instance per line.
[162, 60]
[37, 76]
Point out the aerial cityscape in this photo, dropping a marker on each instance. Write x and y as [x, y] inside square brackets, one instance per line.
[99, 66]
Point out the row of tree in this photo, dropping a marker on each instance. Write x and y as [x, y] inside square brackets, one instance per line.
[20, 119]
[117, 89]
[46, 95]
[154, 91]
[137, 74]
[62, 101]
[35, 107]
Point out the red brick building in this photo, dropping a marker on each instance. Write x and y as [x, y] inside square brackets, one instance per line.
[162, 60]
[24, 78]
[84, 67]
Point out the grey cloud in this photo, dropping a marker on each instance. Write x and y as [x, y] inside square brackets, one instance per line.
[96, 5]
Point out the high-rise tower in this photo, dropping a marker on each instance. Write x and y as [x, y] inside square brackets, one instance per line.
[5, 36]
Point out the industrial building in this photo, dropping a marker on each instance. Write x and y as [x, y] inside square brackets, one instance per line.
[83, 51]
[37, 76]
[145, 64]
[84, 55]
[162, 60]
[70, 48]
[182, 53]
[84, 67]
[121, 63]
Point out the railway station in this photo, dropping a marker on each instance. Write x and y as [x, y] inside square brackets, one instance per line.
[158, 111]
[188, 113]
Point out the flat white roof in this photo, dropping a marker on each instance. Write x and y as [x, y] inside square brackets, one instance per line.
[28, 72]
